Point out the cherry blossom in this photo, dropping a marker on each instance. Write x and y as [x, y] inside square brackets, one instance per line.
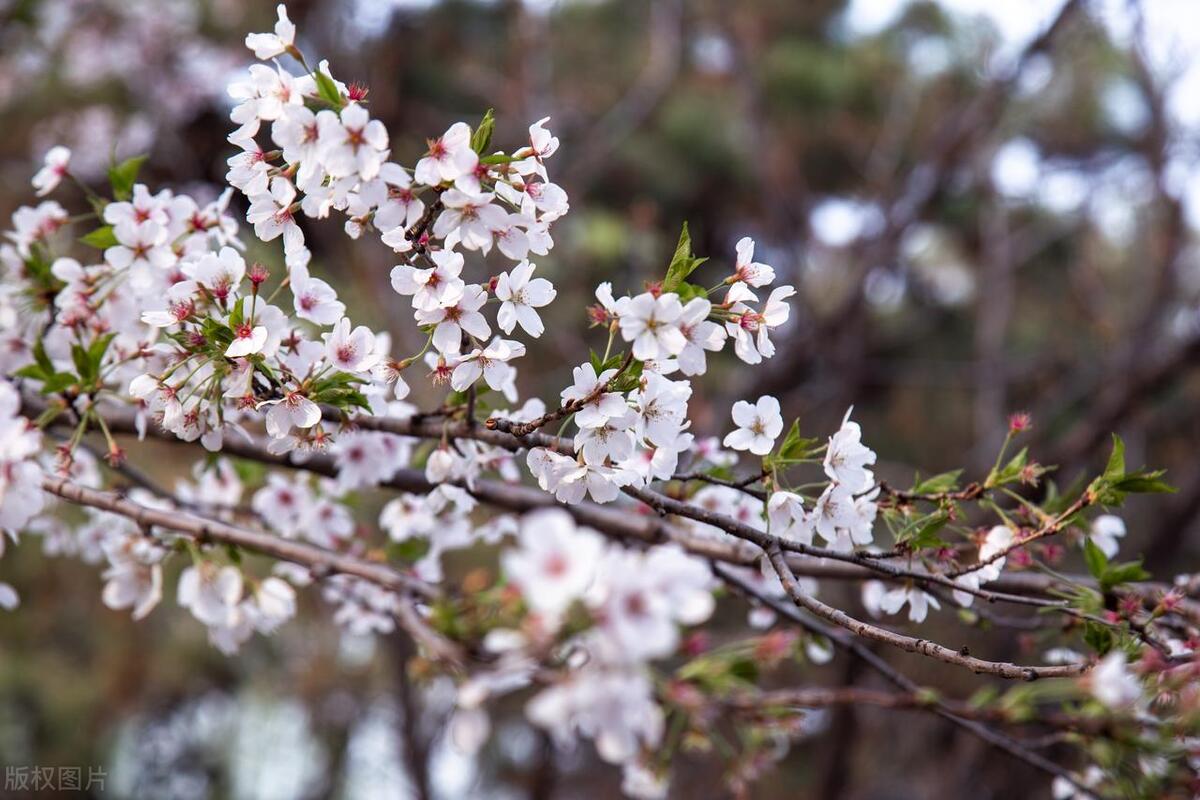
[554, 563]
[433, 287]
[520, 294]
[269, 45]
[652, 325]
[759, 425]
[351, 350]
[1106, 532]
[449, 158]
[57, 162]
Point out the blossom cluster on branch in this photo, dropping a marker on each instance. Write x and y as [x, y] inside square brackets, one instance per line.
[139, 314]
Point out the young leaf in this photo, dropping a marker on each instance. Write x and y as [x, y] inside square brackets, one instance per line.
[945, 482]
[481, 139]
[1144, 482]
[101, 238]
[327, 90]
[236, 315]
[683, 263]
[1097, 562]
[1129, 572]
[123, 176]
[1116, 461]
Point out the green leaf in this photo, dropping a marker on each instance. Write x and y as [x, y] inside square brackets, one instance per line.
[683, 263]
[82, 365]
[407, 551]
[1116, 461]
[58, 382]
[327, 90]
[1097, 562]
[1129, 572]
[923, 533]
[945, 482]
[795, 447]
[101, 238]
[481, 139]
[124, 175]
[31, 371]
[690, 291]
[99, 347]
[41, 359]
[1010, 471]
[236, 317]
[1144, 482]
[1098, 637]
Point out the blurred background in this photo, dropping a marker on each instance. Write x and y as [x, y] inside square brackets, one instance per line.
[987, 207]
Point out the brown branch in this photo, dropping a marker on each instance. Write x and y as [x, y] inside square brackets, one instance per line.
[320, 561]
[847, 642]
[833, 697]
[910, 644]
[523, 429]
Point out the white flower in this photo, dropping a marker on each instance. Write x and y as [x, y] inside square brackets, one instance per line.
[271, 214]
[787, 518]
[701, 335]
[846, 458]
[352, 143]
[9, 599]
[612, 440]
[293, 411]
[554, 563]
[750, 329]
[449, 158]
[651, 323]
[436, 286]
[918, 602]
[57, 162]
[842, 519]
[452, 319]
[758, 426]
[131, 582]
[471, 218]
[998, 540]
[520, 294]
[143, 249]
[601, 482]
[247, 340]
[275, 603]
[352, 351]
[602, 404]
[490, 362]
[314, 299]
[211, 593]
[269, 45]
[1106, 530]
[1112, 683]
[747, 269]
[662, 408]
[615, 707]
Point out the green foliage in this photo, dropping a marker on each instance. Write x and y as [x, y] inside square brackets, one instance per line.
[327, 90]
[683, 263]
[102, 238]
[937, 484]
[1114, 483]
[123, 176]
[481, 139]
[793, 448]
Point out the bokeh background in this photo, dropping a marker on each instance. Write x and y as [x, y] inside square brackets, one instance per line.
[987, 207]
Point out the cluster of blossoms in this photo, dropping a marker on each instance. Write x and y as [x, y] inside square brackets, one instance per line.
[167, 320]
